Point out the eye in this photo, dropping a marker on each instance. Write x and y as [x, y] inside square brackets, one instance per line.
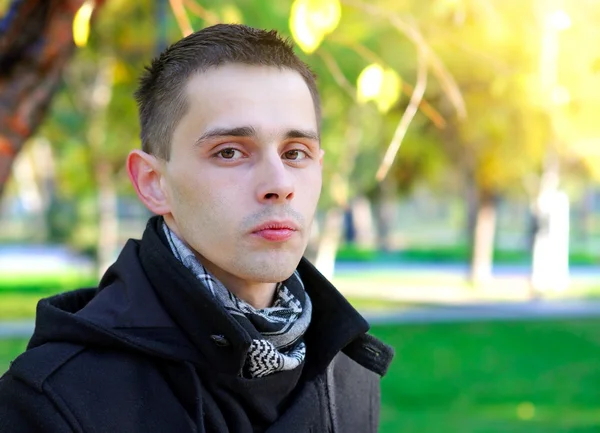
[295, 155]
[229, 153]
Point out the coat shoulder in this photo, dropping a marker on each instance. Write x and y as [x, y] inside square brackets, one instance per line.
[72, 379]
[23, 388]
[36, 365]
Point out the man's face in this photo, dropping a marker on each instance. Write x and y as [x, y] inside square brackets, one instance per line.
[244, 175]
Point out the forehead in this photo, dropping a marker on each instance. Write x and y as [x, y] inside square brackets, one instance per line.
[265, 97]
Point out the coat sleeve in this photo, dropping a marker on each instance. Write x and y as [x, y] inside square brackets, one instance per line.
[24, 410]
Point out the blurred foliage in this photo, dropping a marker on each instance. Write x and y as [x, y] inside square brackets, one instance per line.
[492, 49]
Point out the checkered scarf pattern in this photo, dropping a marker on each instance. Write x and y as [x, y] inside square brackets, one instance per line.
[277, 331]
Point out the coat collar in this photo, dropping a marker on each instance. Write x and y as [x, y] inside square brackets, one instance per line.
[217, 336]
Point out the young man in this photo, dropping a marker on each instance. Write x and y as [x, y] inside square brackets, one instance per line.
[213, 322]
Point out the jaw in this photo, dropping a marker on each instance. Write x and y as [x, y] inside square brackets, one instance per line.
[270, 264]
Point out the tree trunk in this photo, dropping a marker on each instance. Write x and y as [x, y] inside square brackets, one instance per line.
[101, 94]
[339, 186]
[363, 222]
[471, 200]
[330, 240]
[482, 253]
[385, 215]
[550, 255]
[587, 220]
[108, 223]
[30, 195]
[35, 46]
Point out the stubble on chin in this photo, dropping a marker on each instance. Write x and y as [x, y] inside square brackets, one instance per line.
[268, 263]
[268, 269]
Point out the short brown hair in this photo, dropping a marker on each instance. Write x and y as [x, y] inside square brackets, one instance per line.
[161, 97]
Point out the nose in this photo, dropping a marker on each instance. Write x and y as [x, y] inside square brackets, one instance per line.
[276, 183]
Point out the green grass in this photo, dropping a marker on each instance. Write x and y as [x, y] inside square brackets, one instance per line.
[9, 349]
[454, 254]
[489, 377]
[493, 377]
[380, 305]
[19, 293]
[18, 305]
[21, 305]
[46, 283]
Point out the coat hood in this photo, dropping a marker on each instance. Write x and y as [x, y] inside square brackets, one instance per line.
[121, 314]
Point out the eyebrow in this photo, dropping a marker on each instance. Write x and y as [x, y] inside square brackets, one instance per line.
[298, 133]
[241, 131]
[250, 131]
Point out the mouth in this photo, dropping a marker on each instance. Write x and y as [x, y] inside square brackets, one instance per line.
[276, 231]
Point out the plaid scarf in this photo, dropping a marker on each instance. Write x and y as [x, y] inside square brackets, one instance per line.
[276, 331]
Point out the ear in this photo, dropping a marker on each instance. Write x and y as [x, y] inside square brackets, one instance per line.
[321, 155]
[145, 173]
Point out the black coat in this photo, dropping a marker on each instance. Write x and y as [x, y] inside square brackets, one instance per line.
[151, 350]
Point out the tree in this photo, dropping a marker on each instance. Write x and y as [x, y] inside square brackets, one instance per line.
[93, 122]
[530, 94]
[492, 50]
[456, 81]
[35, 46]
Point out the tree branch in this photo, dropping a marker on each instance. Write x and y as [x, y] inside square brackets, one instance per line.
[446, 80]
[429, 111]
[208, 16]
[337, 73]
[407, 117]
[181, 16]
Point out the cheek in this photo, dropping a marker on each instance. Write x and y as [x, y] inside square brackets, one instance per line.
[191, 200]
[218, 206]
[311, 187]
[188, 193]
[192, 181]
[209, 221]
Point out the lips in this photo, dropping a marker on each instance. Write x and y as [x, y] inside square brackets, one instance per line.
[276, 231]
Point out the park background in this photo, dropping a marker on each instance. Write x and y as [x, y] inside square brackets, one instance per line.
[461, 200]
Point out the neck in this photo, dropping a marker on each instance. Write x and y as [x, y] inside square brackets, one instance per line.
[259, 295]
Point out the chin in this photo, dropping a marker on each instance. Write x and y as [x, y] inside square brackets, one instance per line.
[271, 270]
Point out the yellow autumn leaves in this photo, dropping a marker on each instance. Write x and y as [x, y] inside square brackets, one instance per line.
[380, 85]
[81, 23]
[312, 20]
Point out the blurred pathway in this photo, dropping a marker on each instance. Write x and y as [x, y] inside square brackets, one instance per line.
[471, 312]
[475, 312]
[16, 328]
[446, 283]
[499, 270]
